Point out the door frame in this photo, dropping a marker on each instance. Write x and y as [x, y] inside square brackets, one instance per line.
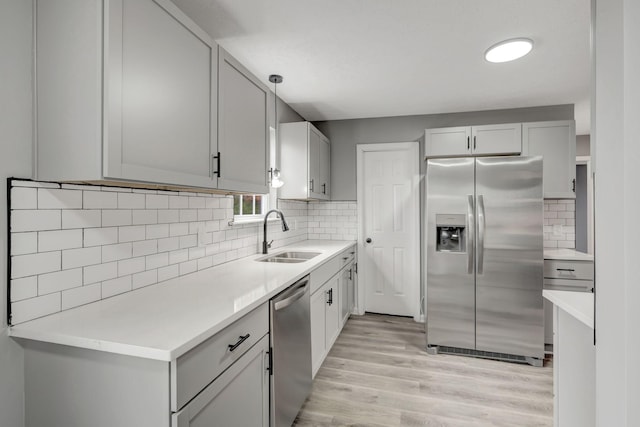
[415, 193]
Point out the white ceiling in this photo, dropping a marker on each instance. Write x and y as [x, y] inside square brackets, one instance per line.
[346, 59]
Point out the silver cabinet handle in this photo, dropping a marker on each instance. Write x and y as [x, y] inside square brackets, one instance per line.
[470, 233]
[481, 230]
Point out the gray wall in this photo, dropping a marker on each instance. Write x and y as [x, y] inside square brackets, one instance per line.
[15, 160]
[345, 134]
[583, 145]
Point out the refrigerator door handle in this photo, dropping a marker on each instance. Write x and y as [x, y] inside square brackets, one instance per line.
[481, 230]
[470, 234]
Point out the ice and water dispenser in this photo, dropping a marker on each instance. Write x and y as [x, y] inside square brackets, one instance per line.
[451, 232]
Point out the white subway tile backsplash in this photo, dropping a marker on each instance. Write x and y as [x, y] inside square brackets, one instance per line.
[100, 236]
[118, 217]
[157, 201]
[24, 198]
[131, 265]
[116, 252]
[59, 281]
[559, 223]
[33, 264]
[81, 295]
[116, 286]
[147, 216]
[59, 239]
[35, 220]
[145, 247]
[49, 198]
[131, 201]
[157, 260]
[32, 308]
[167, 216]
[168, 244]
[100, 272]
[157, 231]
[24, 288]
[178, 202]
[144, 278]
[131, 234]
[72, 258]
[99, 200]
[81, 218]
[107, 240]
[24, 243]
[168, 272]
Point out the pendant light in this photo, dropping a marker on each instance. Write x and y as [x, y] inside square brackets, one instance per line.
[274, 173]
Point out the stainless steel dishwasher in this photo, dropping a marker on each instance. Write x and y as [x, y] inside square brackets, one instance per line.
[290, 352]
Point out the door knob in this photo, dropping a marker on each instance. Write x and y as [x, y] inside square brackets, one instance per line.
[368, 240]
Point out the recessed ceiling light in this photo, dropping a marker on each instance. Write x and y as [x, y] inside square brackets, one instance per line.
[508, 50]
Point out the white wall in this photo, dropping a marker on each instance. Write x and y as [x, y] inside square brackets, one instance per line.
[15, 160]
[617, 196]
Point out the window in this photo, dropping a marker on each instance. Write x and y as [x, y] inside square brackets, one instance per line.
[249, 205]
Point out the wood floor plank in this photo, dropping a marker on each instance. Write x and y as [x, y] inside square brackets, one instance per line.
[379, 374]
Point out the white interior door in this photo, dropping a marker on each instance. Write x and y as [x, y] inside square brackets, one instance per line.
[388, 211]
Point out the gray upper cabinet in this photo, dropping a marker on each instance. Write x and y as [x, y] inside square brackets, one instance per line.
[556, 143]
[128, 92]
[305, 160]
[243, 128]
[483, 140]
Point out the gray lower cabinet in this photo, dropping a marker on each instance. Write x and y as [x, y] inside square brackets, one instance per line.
[237, 398]
[224, 381]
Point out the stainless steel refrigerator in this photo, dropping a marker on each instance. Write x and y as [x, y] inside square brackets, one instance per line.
[484, 245]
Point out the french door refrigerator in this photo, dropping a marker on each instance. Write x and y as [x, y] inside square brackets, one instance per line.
[484, 245]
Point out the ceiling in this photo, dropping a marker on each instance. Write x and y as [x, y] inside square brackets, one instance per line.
[344, 59]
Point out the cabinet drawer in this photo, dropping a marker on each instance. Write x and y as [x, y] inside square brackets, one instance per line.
[568, 285]
[582, 270]
[326, 271]
[197, 368]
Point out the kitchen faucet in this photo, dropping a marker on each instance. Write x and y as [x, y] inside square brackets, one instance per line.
[285, 227]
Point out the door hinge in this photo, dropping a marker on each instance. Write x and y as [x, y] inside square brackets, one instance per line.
[270, 362]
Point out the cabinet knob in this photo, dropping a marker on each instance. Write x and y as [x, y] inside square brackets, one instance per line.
[368, 240]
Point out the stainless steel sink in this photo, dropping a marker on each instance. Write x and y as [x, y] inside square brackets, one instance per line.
[284, 260]
[290, 257]
[299, 255]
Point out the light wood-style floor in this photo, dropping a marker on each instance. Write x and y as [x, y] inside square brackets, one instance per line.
[378, 374]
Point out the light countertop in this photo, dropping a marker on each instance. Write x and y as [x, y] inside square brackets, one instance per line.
[578, 304]
[567, 255]
[166, 320]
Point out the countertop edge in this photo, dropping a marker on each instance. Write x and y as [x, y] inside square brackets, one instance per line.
[569, 302]
[22, 331]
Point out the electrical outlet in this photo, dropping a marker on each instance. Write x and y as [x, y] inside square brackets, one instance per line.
[557, 230]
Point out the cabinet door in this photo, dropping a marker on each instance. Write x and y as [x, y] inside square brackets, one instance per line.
[345, 310]
[239, 397]
[315, 150]
[318, 345]
[446, 142]
[325, 168]
[243, 128]
[556, 143]
[496, 139]
[332, 320]
[160, 95]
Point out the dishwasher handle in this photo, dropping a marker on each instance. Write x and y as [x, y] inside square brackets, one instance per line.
[289, 299]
